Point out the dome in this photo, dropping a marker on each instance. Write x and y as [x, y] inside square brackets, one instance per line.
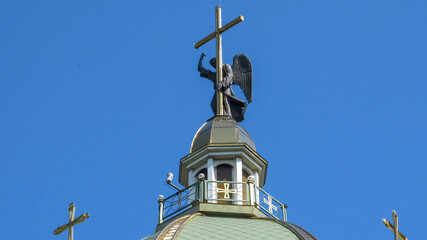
[221, 130]
[200, 226]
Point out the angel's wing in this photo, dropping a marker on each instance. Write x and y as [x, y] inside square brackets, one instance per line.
[242, 74]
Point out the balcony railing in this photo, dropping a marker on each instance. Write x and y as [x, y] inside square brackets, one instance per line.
[220, 192]
[226, 192]
[269, 205]
[180, 201]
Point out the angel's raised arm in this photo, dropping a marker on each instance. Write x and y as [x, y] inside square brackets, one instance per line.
[200, 66]
[205, 72]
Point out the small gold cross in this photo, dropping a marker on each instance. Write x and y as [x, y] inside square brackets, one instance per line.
[226, 190]
[71, 222]
[179, 200]
[270, 204]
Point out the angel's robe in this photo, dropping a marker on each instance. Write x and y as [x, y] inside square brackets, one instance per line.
[233, 106]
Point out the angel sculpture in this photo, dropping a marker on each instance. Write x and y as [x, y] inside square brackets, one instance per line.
[240, 73]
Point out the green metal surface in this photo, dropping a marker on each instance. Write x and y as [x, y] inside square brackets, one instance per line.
[221, 129]
[227, 228]
[231, 210]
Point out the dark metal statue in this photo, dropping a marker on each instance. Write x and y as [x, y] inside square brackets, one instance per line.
[240, 73]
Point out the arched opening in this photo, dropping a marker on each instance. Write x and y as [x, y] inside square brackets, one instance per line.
[245, 176]
[224, 172]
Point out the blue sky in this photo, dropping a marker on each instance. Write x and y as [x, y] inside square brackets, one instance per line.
[99, 100]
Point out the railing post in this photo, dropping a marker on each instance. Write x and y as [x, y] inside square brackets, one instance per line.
[251, 188]
[201, 187]
[161, 208]
[285, 217]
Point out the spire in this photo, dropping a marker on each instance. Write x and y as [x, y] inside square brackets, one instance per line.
[224, 101]
[218, 35]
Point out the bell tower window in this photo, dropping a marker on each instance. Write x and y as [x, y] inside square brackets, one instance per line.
[245, 175]
[224, 172]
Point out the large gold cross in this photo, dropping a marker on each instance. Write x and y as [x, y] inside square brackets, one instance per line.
[219, 29]
[226, 190]
[71, 222]
[394, 227]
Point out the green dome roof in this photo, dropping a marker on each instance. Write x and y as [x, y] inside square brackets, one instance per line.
[201, 227]
[221, 130]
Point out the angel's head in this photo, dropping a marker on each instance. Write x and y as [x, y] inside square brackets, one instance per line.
[213, 62]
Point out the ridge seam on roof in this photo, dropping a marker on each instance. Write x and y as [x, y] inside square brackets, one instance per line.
[185, 222]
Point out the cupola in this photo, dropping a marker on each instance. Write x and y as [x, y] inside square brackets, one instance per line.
[223, 151]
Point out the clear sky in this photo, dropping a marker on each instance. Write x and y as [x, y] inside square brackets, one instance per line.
[100, 99]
